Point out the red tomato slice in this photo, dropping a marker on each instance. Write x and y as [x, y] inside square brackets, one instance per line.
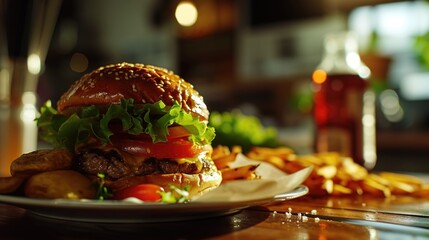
[144, 192]
[174, 148]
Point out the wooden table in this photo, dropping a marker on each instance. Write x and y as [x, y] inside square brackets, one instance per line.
[320, 218]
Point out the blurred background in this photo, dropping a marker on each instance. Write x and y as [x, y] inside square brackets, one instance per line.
[254, 56]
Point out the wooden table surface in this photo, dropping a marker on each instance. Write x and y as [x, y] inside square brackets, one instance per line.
[310, 218]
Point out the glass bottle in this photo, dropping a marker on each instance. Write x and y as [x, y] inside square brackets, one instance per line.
[344, 105]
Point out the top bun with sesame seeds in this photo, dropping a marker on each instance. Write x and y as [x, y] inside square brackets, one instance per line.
[134, 124]
[143, 83]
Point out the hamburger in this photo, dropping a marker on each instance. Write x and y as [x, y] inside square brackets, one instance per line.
[134, 124]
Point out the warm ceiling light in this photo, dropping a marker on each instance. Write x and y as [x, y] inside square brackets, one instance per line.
[186, 13]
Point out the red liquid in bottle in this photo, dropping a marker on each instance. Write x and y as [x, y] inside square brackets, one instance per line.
[338, 115]
[344, 106]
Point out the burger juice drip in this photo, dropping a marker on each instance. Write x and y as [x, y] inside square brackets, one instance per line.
[344, 108]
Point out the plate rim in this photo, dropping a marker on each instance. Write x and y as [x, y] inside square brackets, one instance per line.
[120, 211]
[299, 191]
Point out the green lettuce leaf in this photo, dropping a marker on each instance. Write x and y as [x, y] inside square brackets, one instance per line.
[152, 119]
[235, 128]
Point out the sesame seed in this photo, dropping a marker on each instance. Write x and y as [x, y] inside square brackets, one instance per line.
[116, 78]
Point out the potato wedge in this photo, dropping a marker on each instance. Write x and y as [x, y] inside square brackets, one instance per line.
[66, 184]
[41, 161]
[10, 184]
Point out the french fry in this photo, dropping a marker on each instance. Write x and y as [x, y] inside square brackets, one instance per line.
[261, 153]
[310, 160]
[328, 185]
[330, 158]
[355, 171]
[222, 162]
[220, 151]
[396, 177]
[399, 188]
[244, 172]
[328, 172]
[375, 185]
[222, 156]
[341, 190]
[237, 149]
[277, 162]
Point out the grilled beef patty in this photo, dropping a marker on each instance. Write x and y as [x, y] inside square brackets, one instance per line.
[113, 166]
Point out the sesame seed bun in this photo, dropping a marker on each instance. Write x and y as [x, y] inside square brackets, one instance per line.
[143, 83]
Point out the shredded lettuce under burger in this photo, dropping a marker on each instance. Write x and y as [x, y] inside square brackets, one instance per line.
[153, 119]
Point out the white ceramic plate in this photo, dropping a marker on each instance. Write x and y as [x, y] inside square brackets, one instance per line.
[120, 211]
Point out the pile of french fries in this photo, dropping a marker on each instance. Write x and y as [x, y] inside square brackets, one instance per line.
[332, 174]
[223, 156]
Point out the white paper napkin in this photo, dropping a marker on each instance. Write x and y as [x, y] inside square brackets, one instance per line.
[273, 182]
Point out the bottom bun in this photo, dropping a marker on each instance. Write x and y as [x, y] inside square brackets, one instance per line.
[197, 184]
